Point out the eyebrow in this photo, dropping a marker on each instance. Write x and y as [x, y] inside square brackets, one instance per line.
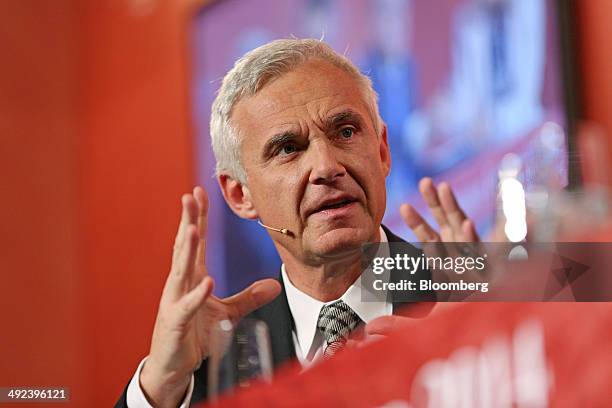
[330, 123]
[277, 140]
[343, 117]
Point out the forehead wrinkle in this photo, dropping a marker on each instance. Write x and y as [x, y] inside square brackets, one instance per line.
[274, 101]
[271, 105]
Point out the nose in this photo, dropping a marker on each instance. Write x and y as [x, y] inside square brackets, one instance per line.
[325, 167]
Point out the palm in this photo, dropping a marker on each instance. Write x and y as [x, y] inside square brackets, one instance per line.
[453, 223]
[188, 312]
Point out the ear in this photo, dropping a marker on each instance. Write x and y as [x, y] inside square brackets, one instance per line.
[385, 153]
[238, 197]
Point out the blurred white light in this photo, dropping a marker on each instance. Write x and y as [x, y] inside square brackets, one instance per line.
[510, 166]
[518, 253]
[513, 205]
[516, 231]
[512, 189]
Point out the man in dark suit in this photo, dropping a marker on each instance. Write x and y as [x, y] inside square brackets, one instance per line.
[299, 145]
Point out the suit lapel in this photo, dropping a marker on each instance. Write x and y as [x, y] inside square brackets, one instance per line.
[422, 303]
[279, 320]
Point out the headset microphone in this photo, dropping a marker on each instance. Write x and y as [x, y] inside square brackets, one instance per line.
[284, 231]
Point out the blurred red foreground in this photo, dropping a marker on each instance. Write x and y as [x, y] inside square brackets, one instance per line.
[467, 355]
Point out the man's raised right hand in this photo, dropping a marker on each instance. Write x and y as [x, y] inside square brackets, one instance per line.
[188, 311]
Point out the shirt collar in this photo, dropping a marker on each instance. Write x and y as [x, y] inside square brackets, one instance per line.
[305, 309]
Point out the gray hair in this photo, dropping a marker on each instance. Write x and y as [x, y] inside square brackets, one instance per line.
[251, 73]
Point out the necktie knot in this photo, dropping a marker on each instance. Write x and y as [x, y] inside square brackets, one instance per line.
[336, 321]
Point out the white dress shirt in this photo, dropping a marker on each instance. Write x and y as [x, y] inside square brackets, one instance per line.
[308, 341]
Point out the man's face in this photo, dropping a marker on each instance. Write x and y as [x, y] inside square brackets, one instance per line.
[314, 162]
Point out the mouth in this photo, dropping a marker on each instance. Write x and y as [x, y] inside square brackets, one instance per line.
[333, 204]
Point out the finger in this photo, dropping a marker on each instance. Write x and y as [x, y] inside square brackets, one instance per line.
[182, 270]
[181, 228]
[384, 325]
[189, 210]
[430, 194]
[192, 301]
[417, 224]
[469, 232]
[454, 214]
[434, 250]
[498, 233]
[202, 200]
[253, 297]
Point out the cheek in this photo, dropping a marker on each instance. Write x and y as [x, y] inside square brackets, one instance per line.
[276, 197]
[377, 191]
[373, 180]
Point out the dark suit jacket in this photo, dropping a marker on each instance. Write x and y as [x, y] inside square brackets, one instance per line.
[277, 316]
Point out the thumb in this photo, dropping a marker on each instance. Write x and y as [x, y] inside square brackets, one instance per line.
[253, 297]
[193, 300]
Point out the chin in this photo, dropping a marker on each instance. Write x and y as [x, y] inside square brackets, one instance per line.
[341, 241]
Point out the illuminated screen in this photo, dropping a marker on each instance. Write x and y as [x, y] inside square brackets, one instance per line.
[461, 83]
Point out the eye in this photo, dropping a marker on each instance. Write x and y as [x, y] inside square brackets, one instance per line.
[347, 132]
[288, 148]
